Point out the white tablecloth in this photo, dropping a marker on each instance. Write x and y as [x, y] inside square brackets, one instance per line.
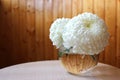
[53, 70]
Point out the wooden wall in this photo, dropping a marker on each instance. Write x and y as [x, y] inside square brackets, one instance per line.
[24, 28]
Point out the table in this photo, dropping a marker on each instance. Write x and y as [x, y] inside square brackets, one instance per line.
[53, 70]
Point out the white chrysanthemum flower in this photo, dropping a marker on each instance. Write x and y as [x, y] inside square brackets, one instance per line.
[85, 34]
[56, 31]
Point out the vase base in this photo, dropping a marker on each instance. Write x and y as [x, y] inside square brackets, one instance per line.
[76, 63]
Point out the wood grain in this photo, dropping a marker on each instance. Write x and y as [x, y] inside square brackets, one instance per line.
[24, 28]
[60, 8]
[39, 34]
[88, 6]
[74, 7]
[118, 33]
[48, 19]
[99, 9]
[31, 29]
[5, 36]
[110, 19]
[79, 6]
[16, 57]
[55, 13]
[67, 12]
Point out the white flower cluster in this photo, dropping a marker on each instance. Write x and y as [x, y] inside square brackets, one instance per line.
[56, 31]
[83, 34]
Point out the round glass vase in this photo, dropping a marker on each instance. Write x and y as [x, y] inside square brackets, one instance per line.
[78, 63]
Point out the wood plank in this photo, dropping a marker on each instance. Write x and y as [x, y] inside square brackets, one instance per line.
[5, 33]
[80, 6]
[67, 11]
[48, 19]
[1, 30]
[118, 33]
[5, 28]
[8, 31]
[74, 7]
[99, 9]
[88, 6]
[15, 32]
[60, 8]
[55, 16]
[55, 9]
[31, 29]
[39, 28]
[23, 32]
[110, 18]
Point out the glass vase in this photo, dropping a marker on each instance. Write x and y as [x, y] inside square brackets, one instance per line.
[78, 63]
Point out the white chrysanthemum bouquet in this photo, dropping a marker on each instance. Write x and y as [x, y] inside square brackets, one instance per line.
[79, 40]
[83, 34]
